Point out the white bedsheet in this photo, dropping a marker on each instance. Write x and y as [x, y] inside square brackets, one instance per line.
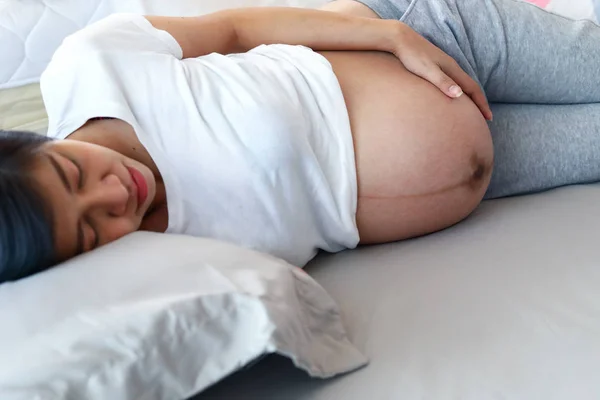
[503, 306]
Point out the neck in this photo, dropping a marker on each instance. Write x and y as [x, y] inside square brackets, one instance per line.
[116, 135]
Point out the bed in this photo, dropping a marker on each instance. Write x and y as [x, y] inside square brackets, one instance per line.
[501, 306]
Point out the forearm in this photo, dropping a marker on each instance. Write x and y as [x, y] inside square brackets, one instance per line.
[319, 30]
[239, 30]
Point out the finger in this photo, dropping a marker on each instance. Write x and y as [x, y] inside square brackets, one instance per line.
[443, 82]
[434, 74]
[454, 88]
[470, 87]
[473, 90]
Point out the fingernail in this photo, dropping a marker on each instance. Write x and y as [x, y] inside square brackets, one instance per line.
[456, 91]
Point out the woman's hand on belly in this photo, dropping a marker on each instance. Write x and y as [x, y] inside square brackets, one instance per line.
[424, 160]
[423, 58]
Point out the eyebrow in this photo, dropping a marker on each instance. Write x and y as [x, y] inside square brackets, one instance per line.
[63, 177]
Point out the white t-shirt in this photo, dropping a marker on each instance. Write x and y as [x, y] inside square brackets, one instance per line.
[253, 148]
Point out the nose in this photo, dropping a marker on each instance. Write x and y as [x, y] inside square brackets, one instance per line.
[109, 195]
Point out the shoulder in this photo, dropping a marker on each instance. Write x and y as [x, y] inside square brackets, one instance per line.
[102, 69]
[116, 34]
[102, 56]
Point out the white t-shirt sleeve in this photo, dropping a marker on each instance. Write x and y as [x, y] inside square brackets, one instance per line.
[125, 32]
[86, 75]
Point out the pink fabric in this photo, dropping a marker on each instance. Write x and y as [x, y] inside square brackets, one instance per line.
[540, 3]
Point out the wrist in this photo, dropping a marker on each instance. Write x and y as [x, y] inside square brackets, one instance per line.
[397, 31]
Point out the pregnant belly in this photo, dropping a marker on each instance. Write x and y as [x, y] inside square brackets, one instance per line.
[423, 160]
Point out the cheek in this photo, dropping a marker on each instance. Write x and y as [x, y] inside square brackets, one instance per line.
[99, 161]
[115, 229]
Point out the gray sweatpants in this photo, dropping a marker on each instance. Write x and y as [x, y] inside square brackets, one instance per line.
[541, 74]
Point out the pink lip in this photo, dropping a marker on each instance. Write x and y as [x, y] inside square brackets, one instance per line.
[141, 185]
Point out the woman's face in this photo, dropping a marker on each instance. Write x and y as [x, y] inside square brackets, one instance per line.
[96, 195]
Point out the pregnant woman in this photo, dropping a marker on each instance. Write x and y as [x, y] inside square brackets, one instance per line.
[290, 130]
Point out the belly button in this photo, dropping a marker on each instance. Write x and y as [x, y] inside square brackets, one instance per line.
[479, 173]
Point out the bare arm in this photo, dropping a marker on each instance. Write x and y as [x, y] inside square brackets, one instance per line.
[239, 30]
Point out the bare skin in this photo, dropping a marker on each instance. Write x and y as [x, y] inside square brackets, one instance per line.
[91, 190]
[424, 159]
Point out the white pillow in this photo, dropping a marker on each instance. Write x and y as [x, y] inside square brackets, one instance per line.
[156, 316]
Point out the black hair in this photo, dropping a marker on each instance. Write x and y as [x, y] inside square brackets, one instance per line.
[26, 233]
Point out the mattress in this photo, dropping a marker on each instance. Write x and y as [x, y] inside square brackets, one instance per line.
[505, 305]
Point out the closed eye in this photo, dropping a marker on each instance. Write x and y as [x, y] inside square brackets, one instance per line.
[79, 173]
[96, 241]
[78, 179]
[61, 174]
[87, 244]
